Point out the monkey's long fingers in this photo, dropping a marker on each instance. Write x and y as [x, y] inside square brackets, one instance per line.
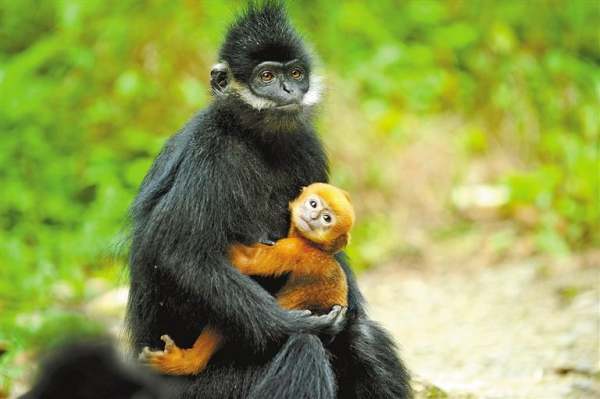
[266, 241]
[146, 355]
[335, 312]
[300, 313]
[169, 343]
[340, 310]
[335, 320]
[340, 319]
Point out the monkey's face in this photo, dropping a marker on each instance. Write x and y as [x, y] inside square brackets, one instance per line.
[274, 87]
[265, 68]
[283, 83]
[323, 214]
[314, 215]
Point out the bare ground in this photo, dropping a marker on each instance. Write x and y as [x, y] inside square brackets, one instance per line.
[522, 329]
[473, 328]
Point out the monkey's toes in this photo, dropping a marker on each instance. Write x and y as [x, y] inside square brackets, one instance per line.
[169, 343]
[148, 356]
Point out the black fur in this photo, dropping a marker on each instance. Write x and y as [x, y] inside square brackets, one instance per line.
[365, 359]
[228, 176]
[301, 369]
[262, 33]
[92, 370]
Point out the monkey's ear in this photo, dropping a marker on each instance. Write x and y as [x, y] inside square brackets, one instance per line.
[219, 78]
[339, 243]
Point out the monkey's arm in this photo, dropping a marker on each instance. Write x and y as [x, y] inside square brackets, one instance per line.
[188, 246]
[287, 255]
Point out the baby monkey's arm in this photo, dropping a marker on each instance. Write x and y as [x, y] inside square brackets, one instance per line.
[290, 254]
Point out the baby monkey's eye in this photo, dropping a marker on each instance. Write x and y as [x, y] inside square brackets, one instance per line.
[296, 73]
[326, 218]
[267, 76]
[312, 203]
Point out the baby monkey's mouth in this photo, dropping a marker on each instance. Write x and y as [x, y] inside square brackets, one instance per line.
[302, 223]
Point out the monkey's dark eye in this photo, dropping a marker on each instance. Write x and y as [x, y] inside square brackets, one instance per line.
[267, 76]
[326, 218]
[296, 74]
[313, 203]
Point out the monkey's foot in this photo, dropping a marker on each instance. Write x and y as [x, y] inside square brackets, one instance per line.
[173, 360]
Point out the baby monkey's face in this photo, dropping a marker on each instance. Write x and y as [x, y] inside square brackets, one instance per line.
[323, 214]
[313, 215]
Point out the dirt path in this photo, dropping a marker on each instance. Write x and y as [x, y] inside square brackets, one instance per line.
[517, 330]
[524, 329]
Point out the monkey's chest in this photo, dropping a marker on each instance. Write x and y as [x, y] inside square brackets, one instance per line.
[275, 193]
[273, 174]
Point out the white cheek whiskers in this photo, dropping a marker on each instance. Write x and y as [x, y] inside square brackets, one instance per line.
[313, 95]
[250, 98]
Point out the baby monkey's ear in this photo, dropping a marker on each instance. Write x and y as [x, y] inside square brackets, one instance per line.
[339, 243]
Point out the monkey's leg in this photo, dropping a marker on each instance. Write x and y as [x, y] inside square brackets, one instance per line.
[367, 363]
[364, 356]
[177, 361]
[301, 369]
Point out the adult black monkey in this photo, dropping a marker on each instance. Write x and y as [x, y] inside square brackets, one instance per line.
[227, 177]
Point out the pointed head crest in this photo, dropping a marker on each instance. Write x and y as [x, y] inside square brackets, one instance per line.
[262, 33]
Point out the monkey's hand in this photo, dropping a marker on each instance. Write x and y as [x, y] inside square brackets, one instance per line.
[330, 324]
[174, 360]
[266, 239]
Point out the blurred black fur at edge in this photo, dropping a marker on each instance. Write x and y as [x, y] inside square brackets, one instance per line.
[91, 370]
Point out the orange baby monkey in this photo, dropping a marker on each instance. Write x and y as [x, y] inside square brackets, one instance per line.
[321, 219]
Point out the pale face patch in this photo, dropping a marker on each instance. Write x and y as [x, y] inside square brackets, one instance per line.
[311, 98]
[250, 98]
[313, 95]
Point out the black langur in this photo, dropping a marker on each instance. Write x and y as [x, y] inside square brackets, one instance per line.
[227, 177]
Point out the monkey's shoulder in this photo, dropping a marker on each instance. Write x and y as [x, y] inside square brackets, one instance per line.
[206, 141]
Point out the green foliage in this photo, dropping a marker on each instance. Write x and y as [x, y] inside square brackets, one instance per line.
[375, 241]
[527, 71]
[89, 91]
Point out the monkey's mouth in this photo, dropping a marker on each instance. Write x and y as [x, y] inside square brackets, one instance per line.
[288, 107]
[303, 224]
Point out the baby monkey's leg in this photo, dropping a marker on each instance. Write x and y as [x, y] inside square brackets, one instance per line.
[177, 361]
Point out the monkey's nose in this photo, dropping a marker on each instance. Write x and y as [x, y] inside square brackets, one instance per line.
[285, 88]
[314, 215]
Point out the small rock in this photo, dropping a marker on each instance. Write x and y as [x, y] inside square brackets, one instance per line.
[480, 201]
[584, 386]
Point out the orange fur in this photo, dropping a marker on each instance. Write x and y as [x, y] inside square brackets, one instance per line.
[316, 281]
[177, 361]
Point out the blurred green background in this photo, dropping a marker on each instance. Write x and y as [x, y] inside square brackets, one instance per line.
[444, 119]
